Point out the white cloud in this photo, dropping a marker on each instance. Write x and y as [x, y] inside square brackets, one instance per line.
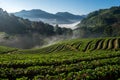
[72, 26]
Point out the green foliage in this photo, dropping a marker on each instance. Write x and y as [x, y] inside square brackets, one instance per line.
[104, 22]
[4, 50]
[67, 65]
[58, 30]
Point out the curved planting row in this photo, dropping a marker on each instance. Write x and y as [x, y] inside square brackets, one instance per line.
[87, 46]
[96, 44]
[53, 48]
[62, 47]
[104, 44]
[100, 45]
[110, 44]
[113, 44]
[78, 45]
[116, 44]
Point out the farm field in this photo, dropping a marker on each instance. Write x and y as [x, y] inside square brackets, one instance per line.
[77, 59]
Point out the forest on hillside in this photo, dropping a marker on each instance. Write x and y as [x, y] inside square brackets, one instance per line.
[101, 23]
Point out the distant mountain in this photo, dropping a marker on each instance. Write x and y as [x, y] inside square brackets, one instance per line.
[69, 16]
[104, 22]
[58, 18]
[35, 13]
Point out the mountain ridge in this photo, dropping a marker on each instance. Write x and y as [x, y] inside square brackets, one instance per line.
[40, 15]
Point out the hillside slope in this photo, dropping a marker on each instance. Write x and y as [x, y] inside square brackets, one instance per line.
[104, 22]
[81, 45]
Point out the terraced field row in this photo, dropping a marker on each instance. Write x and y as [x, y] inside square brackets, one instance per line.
[97, 44]
[26, 63]
[103, 44]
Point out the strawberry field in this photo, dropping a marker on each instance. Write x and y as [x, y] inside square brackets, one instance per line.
[81, 59]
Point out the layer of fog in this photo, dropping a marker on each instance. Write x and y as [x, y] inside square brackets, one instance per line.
[35, 40]
[21, 41]
[51, 21]
[52, 40]
[72, 26]
[30, 41]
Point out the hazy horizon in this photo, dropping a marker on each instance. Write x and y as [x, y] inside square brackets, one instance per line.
[79, 7]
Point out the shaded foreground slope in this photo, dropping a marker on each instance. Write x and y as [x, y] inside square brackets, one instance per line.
[81, 59]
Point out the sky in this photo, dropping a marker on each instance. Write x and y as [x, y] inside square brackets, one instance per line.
[80, 7]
